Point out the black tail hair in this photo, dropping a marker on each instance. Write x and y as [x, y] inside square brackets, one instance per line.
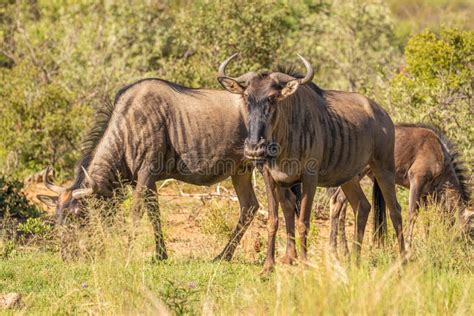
[460, 173]
[296, 189]
[380, 216]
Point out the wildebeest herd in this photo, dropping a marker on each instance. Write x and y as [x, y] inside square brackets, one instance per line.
[296, 134]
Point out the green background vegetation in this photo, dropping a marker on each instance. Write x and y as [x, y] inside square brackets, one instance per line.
[60, 60]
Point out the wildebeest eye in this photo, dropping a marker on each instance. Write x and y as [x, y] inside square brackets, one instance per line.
[270, 99]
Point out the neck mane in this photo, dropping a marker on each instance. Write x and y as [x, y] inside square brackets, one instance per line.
[92, 139]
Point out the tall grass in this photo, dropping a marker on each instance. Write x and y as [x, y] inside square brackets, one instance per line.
[106, 267]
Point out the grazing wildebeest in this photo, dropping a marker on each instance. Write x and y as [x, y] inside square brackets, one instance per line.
[159, 130]
[425, 161]
[299, 132]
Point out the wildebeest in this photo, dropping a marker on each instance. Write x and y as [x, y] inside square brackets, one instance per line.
[425, 162]
[299, 132]
[158, 130]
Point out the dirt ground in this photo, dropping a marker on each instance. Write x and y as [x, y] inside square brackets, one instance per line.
[185, 208]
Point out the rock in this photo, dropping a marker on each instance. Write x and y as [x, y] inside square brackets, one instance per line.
[10, 300]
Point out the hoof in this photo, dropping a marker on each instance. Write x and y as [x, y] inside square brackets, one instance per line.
[222, 257]
[288, 259]
[267, 271]
[160, 257]
[268, 268]
[333, 252]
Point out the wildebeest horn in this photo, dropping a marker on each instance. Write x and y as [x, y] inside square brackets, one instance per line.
[221, 71]
[81, 193]
[309, 71]
[242, 80]
[88, 178]
[51, 186]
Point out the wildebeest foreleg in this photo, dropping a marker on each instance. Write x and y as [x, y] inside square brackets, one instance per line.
[272, 225]
[248, 208]
[145, 197]
[309, 189]
[288, 202]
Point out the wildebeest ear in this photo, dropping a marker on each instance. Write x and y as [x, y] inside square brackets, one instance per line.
[289, 88]
[47, 199]
[231, 85]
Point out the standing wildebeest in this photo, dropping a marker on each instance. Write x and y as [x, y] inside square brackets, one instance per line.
[425, 161]
[159, 130]
[301, 133]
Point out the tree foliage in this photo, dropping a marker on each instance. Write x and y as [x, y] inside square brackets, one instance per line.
[436, 84]
[219, 29]
[60, 61]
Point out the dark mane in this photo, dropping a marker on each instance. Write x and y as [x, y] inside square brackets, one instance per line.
[174, 86]
[290, 70]
[93, 137]
[101, 121]
[456, 161]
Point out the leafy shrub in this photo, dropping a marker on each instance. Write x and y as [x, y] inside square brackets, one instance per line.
[65, 58]
[34, 227]
[13, 202]
[40, 123]
[219, 29]
[435, 86]
[350, 43]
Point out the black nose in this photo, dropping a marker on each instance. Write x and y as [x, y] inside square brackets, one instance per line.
[255, 150]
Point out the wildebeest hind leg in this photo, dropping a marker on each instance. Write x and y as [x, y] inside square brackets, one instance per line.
[248, 208]
[386, 181]
[416, 187]
[361, 208]
[342, 229]
[336, 206]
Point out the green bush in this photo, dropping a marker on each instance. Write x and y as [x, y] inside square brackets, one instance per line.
[435, 86]
[59, 61]
[40, 122]
[13, 202]
[64, 59]
[218, 29]
[34, 227]
[350, 43]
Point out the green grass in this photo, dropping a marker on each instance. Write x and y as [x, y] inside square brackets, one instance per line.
[110, 273]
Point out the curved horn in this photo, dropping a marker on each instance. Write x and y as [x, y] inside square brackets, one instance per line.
[245, 78]
[221, 71]
[51, 186]
[309, 71]
[81, 193]
[88, 178]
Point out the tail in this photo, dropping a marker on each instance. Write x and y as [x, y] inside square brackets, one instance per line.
[296, 189]
[380, 217]
[461, 181]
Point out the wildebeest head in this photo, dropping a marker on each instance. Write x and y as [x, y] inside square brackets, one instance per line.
[262, 94]
[68, 200]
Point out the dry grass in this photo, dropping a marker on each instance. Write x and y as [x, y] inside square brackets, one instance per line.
[106, 267]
